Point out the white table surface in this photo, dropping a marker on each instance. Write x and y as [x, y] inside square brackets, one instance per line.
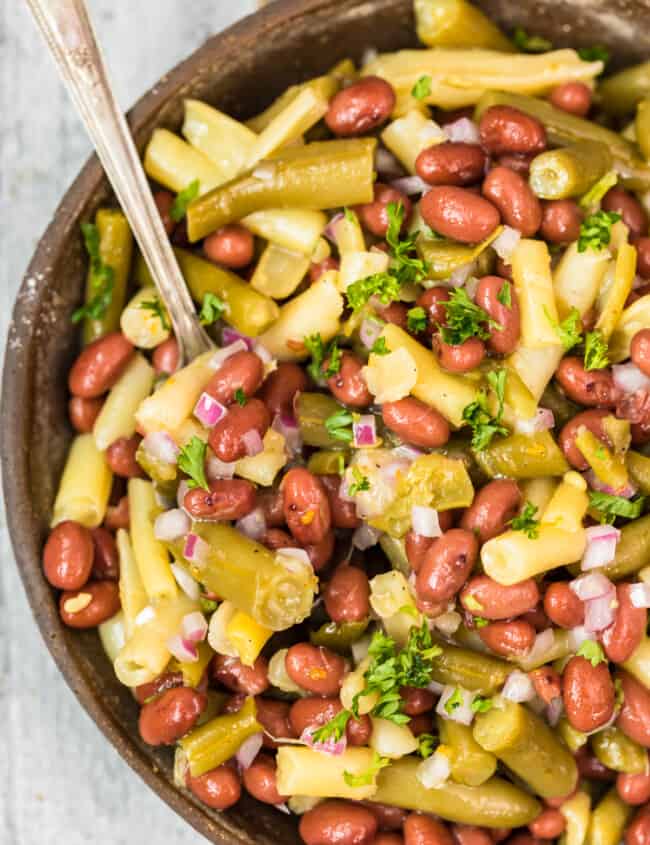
[60, 782]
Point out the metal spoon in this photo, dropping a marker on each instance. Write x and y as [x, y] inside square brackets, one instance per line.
[70, 37]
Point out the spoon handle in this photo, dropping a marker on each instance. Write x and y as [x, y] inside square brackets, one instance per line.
[71, 40]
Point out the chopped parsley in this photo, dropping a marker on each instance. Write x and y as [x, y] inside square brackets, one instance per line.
[422, 88]
[597, 53]
[505, 295]
[568, 330]
[334, 729]
[596, 351]
[595, 194]
[609, 507]
[596, 230]
[592, 651]
[320, 352]
[379, 347]
[350, 215]
[526, 521]
[191, 461]
[481, 621]
[339, 425]
[426, 745]
[477, 414]
[240, 397]
[409, 609]
[361, 483]
[367, 777]
[158, 310]
[417, 319]
[212, 309]
[207, 605]
[182, 200]
[530, 43]
[102, 278]
[464, 319]
[480, 704]
[454, 701]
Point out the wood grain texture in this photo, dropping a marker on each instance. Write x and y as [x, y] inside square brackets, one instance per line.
[59, 780]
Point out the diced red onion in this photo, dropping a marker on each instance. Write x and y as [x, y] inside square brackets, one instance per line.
[448, 622]
[183, 487]
[592, 586]
[253, 525]
[215, 468]
[554, 711]
[183, 650]
[364, 431]
[638, 282]
[209, 411]
[461, 274]
[463, 713]
[640, 595]
[185, 581]
[369, 55]
[435, 687]
[410, 453]
[389, 471]
[146, 615]
[424, 521]
[196, 549]
[194, 627]
[629, 378]
[329, 746]
[463, 131]
[543, 420]
[432, 133]
[330, 229]
[365, 536]
[298, 554]
[170, 525]
[370, 330]
[543, 646]
[283, 809]
[434, 772]
[595, 483]
[410, 185]
[518, 687]
[577, 636]
[288, 427]
[226, 352]
[262, 353]
[160, 447]
[249, 749]
[601, 612]
[601, 546]
[386, 164]
[230, 335]
[471, 286]
[253, 442]
[505, 243]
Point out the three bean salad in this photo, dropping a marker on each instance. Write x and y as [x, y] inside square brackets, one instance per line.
[382, 557]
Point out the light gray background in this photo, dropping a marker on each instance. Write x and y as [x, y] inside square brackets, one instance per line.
[60, 782]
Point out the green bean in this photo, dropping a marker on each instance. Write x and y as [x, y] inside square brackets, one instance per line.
[216, 703]
[463, 667]
[608, 820]
[470, 764]
[338, 636]
[573, 739]
[443, 257]
[456, 23]
[577, 812]
[638, 664]
[253, 578]
[324, 87]
[246, 310]
[608, 467]
[116, 250]
[563, 129]
[632, 550]
[218, 740]
[620, 93]
[327, 462]
[325, 174]
[618, 752]
[395, 550]
[563, 409]
[642, 127]
[569, 171]
[558, 651]
[496, 803]
[312, 410]
[526, 744]
[521, 456]
[638, 466]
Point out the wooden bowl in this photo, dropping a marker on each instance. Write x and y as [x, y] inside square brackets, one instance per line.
[239, 71]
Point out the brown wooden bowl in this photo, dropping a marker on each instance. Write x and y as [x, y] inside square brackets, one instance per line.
[239, 71]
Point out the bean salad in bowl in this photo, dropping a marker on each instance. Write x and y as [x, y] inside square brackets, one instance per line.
[381, 559]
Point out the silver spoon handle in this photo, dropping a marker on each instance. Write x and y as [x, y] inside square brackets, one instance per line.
[70, 37]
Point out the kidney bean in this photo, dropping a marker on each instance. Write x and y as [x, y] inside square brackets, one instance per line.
[482, 596]
[335, 822]
[242, 371]
[459, 214]
[226, 438]
[518, 162]
[276, 538]
[219, 789]
[537, 618]
[231, 672]
[524, 838]
[500, 833]
[425, 830]
[68, 556]
[589, 766]
[621, 639]
[232, 246]
[120, 457]
[633, 789]
[83, 413]
[432, 301]
[321, 553]
[593, 420]
[344, 514]
[166, 357]
[593, 388]
[446, 566]
[313, 713]
[416, 423]
[548, 825]
[422, 724]
[317, 670]
[451, 163]
[547, 683]
[374, 215]
[572, 97]
[504, 270]
[505, 129]
[461, 357]
[640, 350]
[643, 256]
[316, 270]
[395, 313]
[260, 780]
[502, 340]
[227, 498]
[588, 693]
[361, 107]
[416, 548]
[388, 839]
[347, 595]
[562, 606]
[561, 221]
[306, 506]
[348, 385]
[272, 504]
[638, 830]
[171, 715]
[106, 561]
[469, 834]
[168, 680]
[493, 507]
[628, 206]
[91, 605]
[417, 701]
[100, 365]
[164, 201]
[513, 196]
[117, 516]
[634, 718]
[508, 638]
[388, 817]
[274, 717]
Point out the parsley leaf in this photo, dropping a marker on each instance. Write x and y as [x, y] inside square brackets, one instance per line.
[422, 88]
[191, 460]
[367, 777]
[530, 43]
[320, 352]
[158, 310]
[454, 701]
[597, 53]
[101, 281]
[350, 215]
[596, 351]
[477, 414]
[526, 521]
[334, 729]
[464, 319]
[240, 397]
[505, 295]
[212, 309]
[568, 330]
[379, 347]
[339, 425]
[480, 621]
[480, 704]
[592, 651]
[416, 319]
[609, 507]
[207, 605]
[360, 484]
[595, 194]
[382, 285]
[426, 745]
[596, 230]
[182, 200]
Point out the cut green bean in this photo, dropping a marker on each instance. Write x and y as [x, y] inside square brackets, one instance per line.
[312, 411]
[620, 93]
[456, 23]
[522, 456]
[632, 550]
[465, 668]
[569, 171]
[642, 127]
[470, 764]
[618, 752]
[608, 820]
[338, 636]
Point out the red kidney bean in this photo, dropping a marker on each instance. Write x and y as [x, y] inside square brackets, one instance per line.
[446, 566]
[513, 196]
[493, 507]
[500, 833]
[416, 548]
[347, 595]
[232, 246]
[313, 713]
[507, 130]
[518, 162]
[417, 701]
[633, 789]
[281, 386]
[68, 556]
[317, 670]
[344, 514]
[537, 618]
[168, 680]
[562, 605]
[504, 270]
[469, 834]
[640, 350]
[242, 371]
[321, 553]
[260, 780]
[508, 638]
[319, 269]
[100, 365]
[231, 672]
[272, 504]
[88, 607]
[451, 163]
[593, 420]
[164, 201]
[219, 789]
[459, 214]
[389, 818]
[117, 516]
[425, 830]
[628, 206]
[171, 715]
[120, 457]
[166, 357]
[432, 301]
[638, 830]
[226, 438]
[361, 107]
[634, 718]
[621, 639]
[348, 385]
[395, 313]
[572, 97]
[374, 215]
[523, 838]
[482, 596]
[643, 256]
[461, 357]
[594, 388]
[336, 822]
[502, 340]
[83, 413]
[548, 825]
[421, 724]
[590, 767]
[227, 498]
[388, 839]
[547, 683]
[561, 221]
[106, 560]
[306, 506]
[588, 693]
[274, 718]
[416, 423]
